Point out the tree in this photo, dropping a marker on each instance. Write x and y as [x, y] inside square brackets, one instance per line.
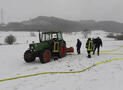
[86, 32]
[111, 35]
[10, 39]
[119, 37]
[32, 34]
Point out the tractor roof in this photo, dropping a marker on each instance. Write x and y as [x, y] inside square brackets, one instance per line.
[51, 32]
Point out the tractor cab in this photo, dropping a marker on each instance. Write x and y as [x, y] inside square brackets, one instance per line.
[46, 36]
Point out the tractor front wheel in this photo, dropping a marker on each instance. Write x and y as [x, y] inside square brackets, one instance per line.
[45, 56]
[29, 56]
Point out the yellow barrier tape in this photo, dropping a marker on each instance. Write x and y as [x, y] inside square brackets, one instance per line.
[113, 53]
[113, 49]
[108, 61]
[60, 72]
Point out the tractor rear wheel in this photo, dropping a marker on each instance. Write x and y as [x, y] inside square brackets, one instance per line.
[62, 51]
[45, 56]
[29, 56]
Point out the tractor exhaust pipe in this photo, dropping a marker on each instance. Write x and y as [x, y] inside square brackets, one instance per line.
[39, 36]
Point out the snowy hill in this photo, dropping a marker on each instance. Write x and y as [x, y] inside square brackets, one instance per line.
[107, 76]
[45, 23]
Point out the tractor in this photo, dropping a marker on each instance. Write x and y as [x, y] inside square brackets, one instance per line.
[51, 44]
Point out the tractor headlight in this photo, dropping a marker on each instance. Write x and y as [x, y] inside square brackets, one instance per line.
[31, 47]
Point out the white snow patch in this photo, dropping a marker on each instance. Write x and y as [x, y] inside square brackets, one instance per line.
[103, 77]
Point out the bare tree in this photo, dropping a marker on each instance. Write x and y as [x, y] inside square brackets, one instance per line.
[32, 34]
[86, 32]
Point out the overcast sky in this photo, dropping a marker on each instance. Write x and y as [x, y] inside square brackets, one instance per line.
[18, 10]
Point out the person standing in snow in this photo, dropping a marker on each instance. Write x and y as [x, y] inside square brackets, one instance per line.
[78, 45]
[97, 44]
[93, 39]
[89, 47]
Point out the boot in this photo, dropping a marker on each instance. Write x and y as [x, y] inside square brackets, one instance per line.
[98, 53]
[89, 56]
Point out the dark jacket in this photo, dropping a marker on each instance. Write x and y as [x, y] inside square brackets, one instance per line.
[78, 45]
[97, 42]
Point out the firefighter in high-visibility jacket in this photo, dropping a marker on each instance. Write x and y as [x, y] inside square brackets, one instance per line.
[55, 49]
[89, 46]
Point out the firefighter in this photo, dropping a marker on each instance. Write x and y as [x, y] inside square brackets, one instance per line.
[89, 46]
[55, 49]
[97, 44]
[78, 45]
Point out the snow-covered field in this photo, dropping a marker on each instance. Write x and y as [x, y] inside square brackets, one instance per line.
[108, 76]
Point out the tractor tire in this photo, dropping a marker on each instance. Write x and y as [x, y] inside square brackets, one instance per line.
[29, 56]
[62, 52]
[45, 56]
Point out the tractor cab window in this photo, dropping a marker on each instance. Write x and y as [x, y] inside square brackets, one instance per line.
[50, 36]
[45, 37]
[60, 36]
[54, 35]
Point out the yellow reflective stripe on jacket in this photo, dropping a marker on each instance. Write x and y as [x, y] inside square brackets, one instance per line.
[90, 45]
[56, 47]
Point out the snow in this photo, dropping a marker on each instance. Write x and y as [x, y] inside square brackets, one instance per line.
[106, 76]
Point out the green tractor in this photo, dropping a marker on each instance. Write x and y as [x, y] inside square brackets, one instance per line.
[51, 44]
